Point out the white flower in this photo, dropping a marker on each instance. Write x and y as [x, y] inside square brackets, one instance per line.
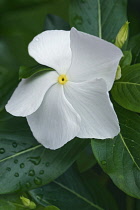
[73, 100]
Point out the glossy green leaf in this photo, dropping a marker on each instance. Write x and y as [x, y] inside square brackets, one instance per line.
[26, 72]
[24, 163]
[54, 22]
[8, 70]
[134, 46]
[126, 59]
[75, 191]
[126, 91]
[120, 157]
[86, 159]
[98, 17]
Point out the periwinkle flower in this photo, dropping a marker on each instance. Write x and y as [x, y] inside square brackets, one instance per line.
[73, 100]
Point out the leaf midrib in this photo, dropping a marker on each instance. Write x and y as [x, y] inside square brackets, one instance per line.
[129, 151]
[20, 153]
[99, 19]
[128, 83]
[78, 195]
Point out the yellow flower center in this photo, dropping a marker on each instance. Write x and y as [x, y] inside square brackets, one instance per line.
[62, 79]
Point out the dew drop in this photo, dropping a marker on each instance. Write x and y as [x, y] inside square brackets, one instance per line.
[2, 150]
[37, 39]
[41, 172]
[31, 173]
[28, 184]
[16, 175]
[132, 140]
[89, 21]
[14, 144]
[22, 165]
[35, 160]
[78, 20]
[16, 161]
[103, 162]
[8, 169]
[47, 164]
[37, 181]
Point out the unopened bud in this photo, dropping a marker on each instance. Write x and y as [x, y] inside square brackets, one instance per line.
[118, 73]
[32, 205]
[26, 202]
[122, 35]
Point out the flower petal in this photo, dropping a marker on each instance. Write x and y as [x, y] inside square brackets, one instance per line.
[55, 122]
[52, 48]
[91, 101]
[92, 57]
[29, 94]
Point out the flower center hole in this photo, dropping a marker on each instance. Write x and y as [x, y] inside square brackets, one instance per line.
[63, 79]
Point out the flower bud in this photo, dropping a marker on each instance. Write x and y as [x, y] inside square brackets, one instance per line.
[118, 73]
[26, 202]
[32, 205]
[122, 35]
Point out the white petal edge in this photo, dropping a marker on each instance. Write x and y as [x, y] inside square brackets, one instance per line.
[92, 57]
[55, 122]
[91, 101]
[29, 94]
[52, 48]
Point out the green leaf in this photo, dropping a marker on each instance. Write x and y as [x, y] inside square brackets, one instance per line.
[8, 69]
[100, 18]
[86, 159]
[75, 191]
[120, 157]
[54, 22]
[126, 91]
[26, 72]
[24, 163]
[134, 46]
[126, 59]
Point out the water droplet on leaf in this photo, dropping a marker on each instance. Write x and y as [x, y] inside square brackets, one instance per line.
[16, 175]
[37, 181]
[35, 160]
[28, 184]
[31, 173]
[89, 21]
[47, 164]
[41, 172]
[8, 169]
[103, 162]
[22, 165]
[2, 150]
[14, 144]
[16, 161]
[78, 20]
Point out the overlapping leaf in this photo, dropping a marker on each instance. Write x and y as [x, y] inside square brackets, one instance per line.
[126, 91]
[120, 157]
[98, 17]
[24, 163]
[74, 191]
